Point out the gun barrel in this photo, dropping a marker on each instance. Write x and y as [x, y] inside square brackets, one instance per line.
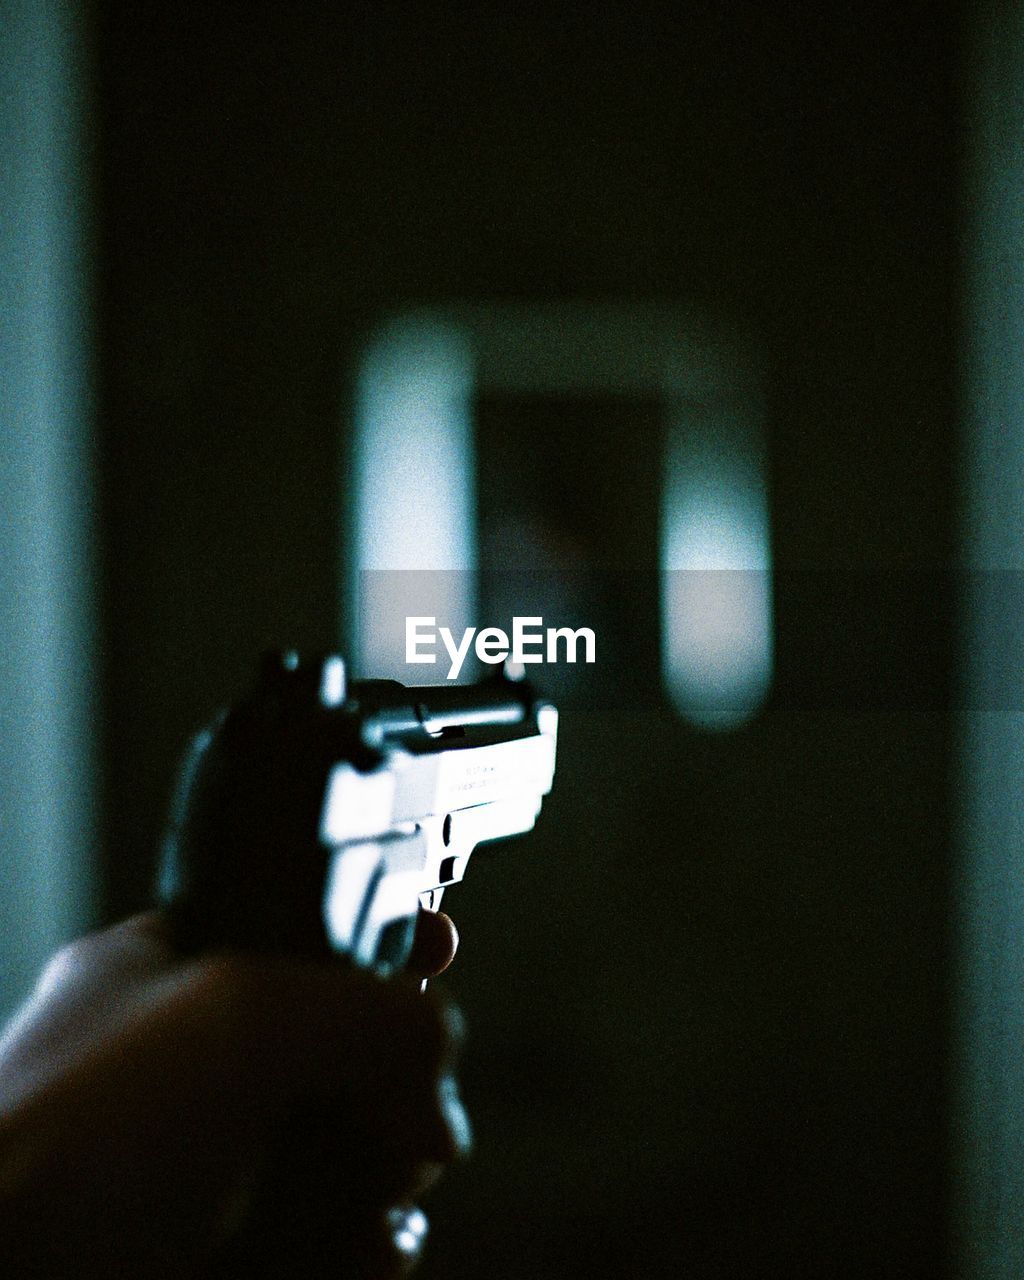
[399, 708]
[444, 708]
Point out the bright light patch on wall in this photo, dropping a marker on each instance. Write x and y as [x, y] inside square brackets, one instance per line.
[413, 491]
[716, 598]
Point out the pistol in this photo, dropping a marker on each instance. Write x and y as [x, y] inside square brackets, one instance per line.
[317, 814]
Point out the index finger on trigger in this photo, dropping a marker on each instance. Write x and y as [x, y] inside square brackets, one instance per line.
[434, 945]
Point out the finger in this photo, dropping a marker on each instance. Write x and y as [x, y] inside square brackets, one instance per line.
[434, 945]
[311, 1026]
[360, 1068]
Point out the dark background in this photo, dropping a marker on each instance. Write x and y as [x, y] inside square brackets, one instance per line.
[708, 1001]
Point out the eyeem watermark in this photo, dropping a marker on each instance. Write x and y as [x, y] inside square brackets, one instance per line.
[530, 642]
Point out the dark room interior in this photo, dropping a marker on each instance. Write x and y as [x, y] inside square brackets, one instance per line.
[745, 1004]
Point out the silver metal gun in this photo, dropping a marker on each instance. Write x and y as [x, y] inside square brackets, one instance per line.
[318, 814]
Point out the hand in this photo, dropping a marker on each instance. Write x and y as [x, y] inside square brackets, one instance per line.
[145, 1098]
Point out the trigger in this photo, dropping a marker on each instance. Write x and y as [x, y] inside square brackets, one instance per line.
[431, 900]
